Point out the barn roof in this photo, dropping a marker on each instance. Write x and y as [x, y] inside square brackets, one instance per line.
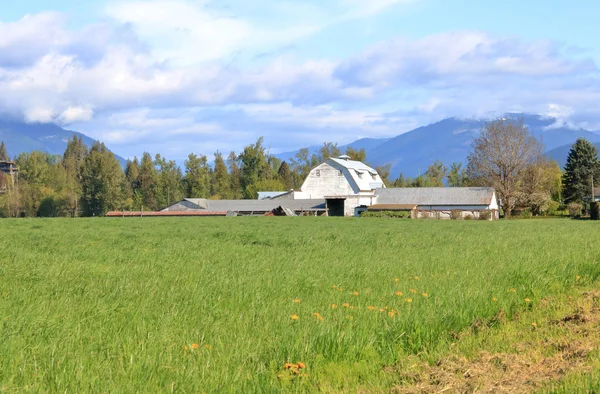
[361, 173]
[436, 195]
[118, 214]
[257, 205]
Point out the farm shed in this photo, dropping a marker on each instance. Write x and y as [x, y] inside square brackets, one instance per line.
[438, 202]
[250, 207]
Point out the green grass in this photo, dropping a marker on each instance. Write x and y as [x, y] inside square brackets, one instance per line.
[110, 305]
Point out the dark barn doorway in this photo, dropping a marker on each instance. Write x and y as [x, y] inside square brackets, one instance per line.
[335, 206]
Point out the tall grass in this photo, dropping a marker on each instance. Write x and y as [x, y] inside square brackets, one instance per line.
[192, 305]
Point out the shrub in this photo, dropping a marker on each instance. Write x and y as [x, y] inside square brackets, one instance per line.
[468, 217]
[595, 210]
[526, 213]
[386, 214]
[455, 214]
[575, 210]
[485, 215]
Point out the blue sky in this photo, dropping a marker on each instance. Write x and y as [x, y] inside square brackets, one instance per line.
[181, 76]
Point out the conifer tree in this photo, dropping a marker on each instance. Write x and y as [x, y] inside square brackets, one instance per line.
[3, 152]
[582, 164]
[285, 176]
[235, 188]
[147, 182]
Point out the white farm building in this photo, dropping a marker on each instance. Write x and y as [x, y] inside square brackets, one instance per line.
[344, 184]
[344, 187]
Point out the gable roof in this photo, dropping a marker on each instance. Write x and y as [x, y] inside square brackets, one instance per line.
[436, 195]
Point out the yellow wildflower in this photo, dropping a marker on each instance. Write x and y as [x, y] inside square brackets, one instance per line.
[425, 295]
[355, 293]
[416, 278]
[527, 300]
[494, 299]
[346, 305]
[371, 308]
[296, 301]
[533, 325]
[396, 280]
[194, 346]
[318, 316]
[512, 290]
[333, 306]
[208, 347]
[399, 293]
[412, 290]
[409, 300]
[294, 317]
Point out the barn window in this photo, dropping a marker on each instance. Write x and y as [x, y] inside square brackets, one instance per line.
[318, 173]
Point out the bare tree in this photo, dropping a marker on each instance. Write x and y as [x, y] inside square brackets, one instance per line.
[500, 156]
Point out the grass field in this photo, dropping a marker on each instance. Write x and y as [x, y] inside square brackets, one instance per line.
[222, 304]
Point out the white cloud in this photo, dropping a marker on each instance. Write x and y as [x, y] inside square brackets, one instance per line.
[76, 114]
[120, 91]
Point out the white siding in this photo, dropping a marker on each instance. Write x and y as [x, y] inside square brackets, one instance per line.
[327, 180]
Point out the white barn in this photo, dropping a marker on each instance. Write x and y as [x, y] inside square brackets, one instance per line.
[345, 184]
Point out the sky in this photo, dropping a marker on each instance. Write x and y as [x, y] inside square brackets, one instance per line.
[195, 76]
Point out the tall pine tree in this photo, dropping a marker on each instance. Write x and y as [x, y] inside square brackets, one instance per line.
[582, 164]
[147, 182]
[3, 152]
[285, 176]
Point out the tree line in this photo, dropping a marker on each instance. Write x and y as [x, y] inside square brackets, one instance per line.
[91, 181]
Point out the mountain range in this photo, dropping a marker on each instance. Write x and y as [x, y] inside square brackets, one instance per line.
[449, 141]
[22, 137]
[410, 153]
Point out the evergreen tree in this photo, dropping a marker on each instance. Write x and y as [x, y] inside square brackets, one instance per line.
[72, 161]
[103, 181]
[235, 186]
[147, 182]
[582, 164]
[220, 178]
[285, 176]
[3, 152]
[132, 174]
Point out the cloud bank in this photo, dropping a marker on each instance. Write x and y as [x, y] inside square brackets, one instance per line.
[181, 76]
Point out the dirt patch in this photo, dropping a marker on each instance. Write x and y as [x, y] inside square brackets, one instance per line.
[534, 364]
